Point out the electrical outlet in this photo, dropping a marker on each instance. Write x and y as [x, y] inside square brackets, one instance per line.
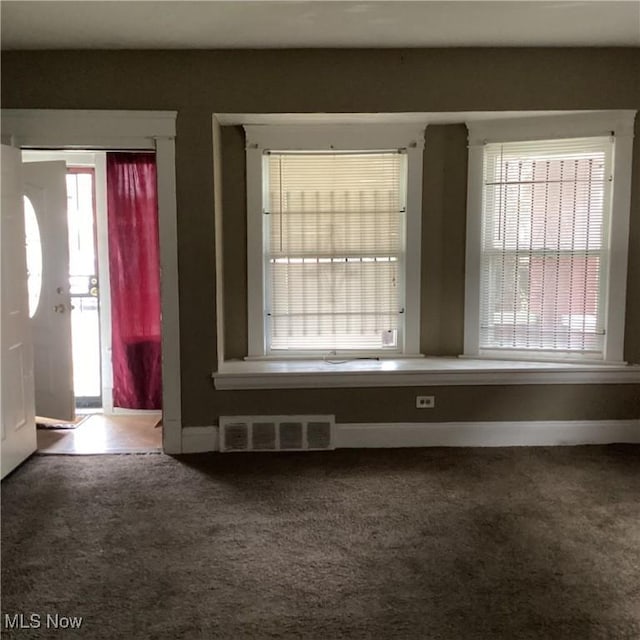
[425, 402]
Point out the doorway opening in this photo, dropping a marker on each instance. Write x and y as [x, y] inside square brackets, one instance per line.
[101, 328]
[74, 129]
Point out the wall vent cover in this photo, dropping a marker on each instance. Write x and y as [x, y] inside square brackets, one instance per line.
[276, 433]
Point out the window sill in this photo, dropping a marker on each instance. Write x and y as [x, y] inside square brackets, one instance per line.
[408, 372]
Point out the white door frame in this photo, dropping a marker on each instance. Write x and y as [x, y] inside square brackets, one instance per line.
[155, 130]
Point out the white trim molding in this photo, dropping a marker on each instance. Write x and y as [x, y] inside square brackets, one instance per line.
[487, 434]
[389, 435]
[72, 129]
[155, 130]
[617, 123]
[551, 127]
[327, 137]
[413, 372]
[216, 134]
[200, 439]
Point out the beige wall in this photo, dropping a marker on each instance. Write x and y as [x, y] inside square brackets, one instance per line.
[199, 83]
[234, 221]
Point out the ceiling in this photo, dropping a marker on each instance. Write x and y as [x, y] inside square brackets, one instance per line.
[265, 24]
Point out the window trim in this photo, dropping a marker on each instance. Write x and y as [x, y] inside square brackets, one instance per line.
[617, 123]
[348, 137]
[416, 372]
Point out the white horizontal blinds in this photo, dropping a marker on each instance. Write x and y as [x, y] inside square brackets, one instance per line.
[335, 250]
[544, 245]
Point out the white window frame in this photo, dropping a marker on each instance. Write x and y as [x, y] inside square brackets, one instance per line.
[351, 137]
[592, 124]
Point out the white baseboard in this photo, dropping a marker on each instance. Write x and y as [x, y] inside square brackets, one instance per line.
[172, 434]
[487, 434]
[455, 434]
[199, 439]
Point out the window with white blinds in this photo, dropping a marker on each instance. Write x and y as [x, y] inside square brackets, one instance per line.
[544, 245]
[334, 241]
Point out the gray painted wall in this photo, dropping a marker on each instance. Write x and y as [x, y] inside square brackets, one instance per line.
[199, 83]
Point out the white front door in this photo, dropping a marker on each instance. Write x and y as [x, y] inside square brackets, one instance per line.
[16, 371]
[46, 192]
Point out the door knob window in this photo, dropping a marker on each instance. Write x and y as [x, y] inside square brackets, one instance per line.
[33, 254]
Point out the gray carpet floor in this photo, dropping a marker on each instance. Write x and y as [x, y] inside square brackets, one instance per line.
[447, 544]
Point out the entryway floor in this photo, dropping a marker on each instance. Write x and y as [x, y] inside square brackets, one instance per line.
[105, 434]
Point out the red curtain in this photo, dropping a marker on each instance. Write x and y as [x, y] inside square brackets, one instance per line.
[134, 268]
